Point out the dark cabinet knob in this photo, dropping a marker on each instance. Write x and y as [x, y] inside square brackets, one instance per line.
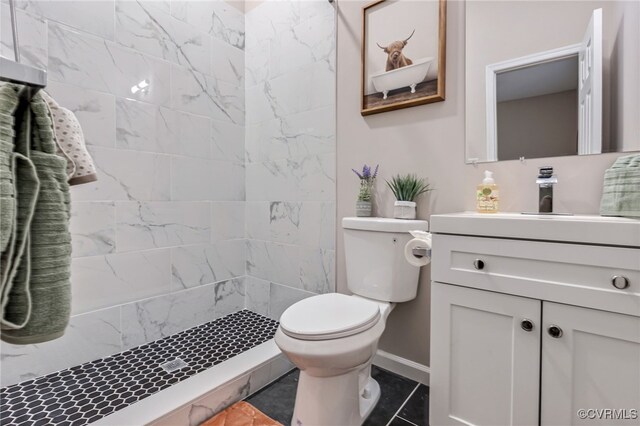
[526, 325]
[554, 331]
[478, 264]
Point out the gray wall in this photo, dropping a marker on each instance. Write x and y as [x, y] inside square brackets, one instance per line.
[539, 126]
[429, 140]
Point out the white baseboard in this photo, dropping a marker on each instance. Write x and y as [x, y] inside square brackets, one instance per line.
[402, 366]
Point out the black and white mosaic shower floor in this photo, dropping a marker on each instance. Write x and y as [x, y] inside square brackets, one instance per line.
[83, 394]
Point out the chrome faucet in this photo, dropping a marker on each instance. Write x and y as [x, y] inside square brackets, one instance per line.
[546, 179]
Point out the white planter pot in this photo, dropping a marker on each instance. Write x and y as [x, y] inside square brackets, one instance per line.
[404, 210]
[363, 208]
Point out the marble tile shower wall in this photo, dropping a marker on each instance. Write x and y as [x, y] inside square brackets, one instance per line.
[159, 241]
[290, 152]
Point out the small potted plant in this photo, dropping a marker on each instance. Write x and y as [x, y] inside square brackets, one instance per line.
[367, 179]
[406, 189]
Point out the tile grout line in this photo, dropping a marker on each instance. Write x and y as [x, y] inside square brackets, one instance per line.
[404, 403]
[147, 298]
[402, 418]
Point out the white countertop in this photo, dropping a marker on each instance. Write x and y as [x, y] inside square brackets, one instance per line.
[585, 229]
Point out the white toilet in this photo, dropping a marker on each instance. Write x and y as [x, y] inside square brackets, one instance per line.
[332, 338]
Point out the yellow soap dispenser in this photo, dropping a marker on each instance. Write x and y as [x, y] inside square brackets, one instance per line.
[487, 196]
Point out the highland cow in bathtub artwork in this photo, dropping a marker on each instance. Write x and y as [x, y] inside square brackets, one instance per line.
[403, 54]
[396, 58]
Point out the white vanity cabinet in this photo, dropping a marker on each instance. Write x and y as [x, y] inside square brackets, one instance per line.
[485, 369]
[534, 318]
[595, 363]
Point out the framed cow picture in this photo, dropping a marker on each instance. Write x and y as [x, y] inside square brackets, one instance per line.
[403, 54]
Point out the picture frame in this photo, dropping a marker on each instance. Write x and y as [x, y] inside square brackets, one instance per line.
[403, 54]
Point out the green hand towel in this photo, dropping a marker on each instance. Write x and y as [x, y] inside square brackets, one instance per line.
[7, 195]
[621, 192]
[8, 104]
[25, 184]
[8, 205]
[46, 297]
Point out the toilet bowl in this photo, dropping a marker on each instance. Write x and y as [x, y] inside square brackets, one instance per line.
[332, 338]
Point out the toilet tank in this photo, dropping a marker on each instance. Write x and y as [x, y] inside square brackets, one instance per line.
[374, 254]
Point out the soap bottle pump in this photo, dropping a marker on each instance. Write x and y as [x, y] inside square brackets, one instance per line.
[487, 196]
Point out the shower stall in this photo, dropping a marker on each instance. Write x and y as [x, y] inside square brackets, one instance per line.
[212, 128]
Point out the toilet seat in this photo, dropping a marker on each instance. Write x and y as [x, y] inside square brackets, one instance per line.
[329, 316]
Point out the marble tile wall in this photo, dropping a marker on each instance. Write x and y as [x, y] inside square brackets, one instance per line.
[290, 153]
[159, 241]
[216, 183]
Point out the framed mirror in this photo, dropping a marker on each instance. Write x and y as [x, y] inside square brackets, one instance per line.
[548, 79]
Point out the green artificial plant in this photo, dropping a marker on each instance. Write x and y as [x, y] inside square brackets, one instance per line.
[407, 187]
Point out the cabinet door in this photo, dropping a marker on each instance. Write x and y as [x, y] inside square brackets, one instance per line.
[485, 367]
[593, 364]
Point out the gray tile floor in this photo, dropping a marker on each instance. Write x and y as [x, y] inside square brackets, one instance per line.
[403, 402]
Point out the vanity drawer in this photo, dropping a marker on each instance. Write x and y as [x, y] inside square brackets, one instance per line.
[566, 273]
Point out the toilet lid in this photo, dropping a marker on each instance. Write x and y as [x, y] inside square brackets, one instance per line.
[329, 316]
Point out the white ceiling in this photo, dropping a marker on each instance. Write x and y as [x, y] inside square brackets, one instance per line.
[545, 78]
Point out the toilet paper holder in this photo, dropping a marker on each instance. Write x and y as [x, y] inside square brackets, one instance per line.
[418, 250]
[421, 252]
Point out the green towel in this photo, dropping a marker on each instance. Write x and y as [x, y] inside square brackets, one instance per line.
[8, 204]
[9, 102]
[24, 187]
[40, 289]
[7, 194]
[621, 192]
